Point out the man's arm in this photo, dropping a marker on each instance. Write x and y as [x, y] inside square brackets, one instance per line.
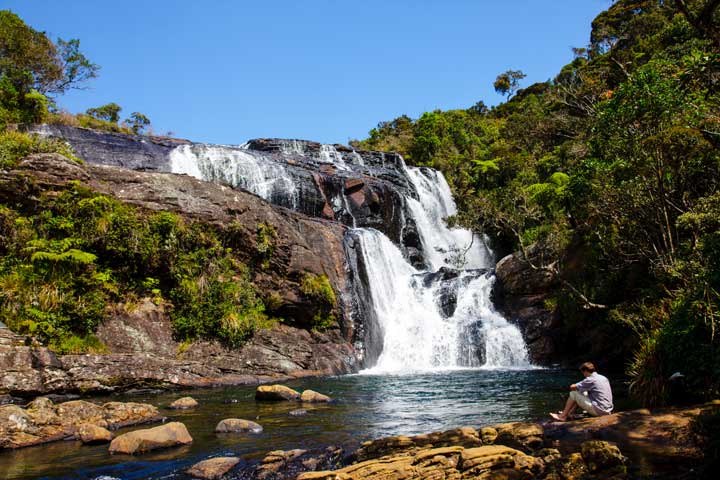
[573, 387]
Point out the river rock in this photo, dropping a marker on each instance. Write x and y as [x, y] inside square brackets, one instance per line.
[44, 421]
[602, 456]
[237, 425]
[183, 403]
[89, 434]
[275, 462]
[276, 393]
[311, 396]
[139, 441]
[213, 468]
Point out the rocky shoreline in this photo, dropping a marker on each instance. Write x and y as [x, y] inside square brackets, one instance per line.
[633, 444]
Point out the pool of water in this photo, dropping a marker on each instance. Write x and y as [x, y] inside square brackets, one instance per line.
[367, 407]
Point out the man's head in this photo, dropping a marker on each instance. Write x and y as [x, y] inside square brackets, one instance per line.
[587, 368]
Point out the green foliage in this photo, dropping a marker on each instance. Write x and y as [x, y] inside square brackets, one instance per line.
[109, 112]
[32, 68]
[265, 238]
[66, 255]
[607, 175]
[14, 146]
[508, 82]
[137, 122]
[318, 289]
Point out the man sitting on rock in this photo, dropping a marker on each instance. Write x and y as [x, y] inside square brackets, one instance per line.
[593, 395]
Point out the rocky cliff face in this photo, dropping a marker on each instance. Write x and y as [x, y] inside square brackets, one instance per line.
[143, 350]
[335, 182]
[521, 294]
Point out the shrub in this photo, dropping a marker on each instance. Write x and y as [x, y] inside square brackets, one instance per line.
[14, 146]
[319, 290]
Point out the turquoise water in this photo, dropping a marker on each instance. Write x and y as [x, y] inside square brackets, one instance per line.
[367, 407]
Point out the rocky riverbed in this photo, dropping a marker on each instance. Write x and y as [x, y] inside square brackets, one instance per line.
[629, 444]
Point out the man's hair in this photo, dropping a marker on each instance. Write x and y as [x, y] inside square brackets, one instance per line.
[587, 367]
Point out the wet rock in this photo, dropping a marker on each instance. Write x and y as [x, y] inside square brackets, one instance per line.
[276, 393]
[43, 421]
[91, 434]
[213, 468]
[183, 403]
[311, 396]
[465, 437]
[139, 441]
[237, 425]
[298, 412]
[277, 461]
[603, 456]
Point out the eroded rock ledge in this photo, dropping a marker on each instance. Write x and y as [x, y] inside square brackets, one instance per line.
[625, 445]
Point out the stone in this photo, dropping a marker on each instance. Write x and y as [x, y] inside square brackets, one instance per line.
[602, 456]
[522, 435]
[213, 468]
[237, 425]
[311, 396]
[183, 403]
[276, 393]
[44, 421]
[139, 441]
[90, 434]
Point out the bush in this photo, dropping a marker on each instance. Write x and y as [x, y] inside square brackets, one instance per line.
[14, 146]
[319, 290]
[66, 255]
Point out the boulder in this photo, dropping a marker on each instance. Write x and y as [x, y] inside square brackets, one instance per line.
[213, 468]
[602, 456]
[237, 425]
[44, 421]
[311, 396]
[90, 434]
[183, 403]
[276, 393]
[139, 441]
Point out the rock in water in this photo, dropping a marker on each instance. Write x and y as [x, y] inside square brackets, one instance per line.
[213, 467]
[311, 396]
[169, 435]
[183, 403]
[276, 393]
[237, 425]
[90, 434]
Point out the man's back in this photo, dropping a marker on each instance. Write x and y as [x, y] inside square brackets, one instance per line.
[599, 392]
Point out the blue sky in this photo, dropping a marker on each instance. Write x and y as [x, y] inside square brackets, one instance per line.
[228, 71]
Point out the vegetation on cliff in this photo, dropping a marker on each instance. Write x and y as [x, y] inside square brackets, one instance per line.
[611, 171]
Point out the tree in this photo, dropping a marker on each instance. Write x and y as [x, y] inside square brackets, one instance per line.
[508, 82]
[110, 112]
[137, 122]
[32, 68]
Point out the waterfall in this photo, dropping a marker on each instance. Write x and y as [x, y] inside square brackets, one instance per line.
[409, 306]
[238, 167]
[436, 317]
[457, 247]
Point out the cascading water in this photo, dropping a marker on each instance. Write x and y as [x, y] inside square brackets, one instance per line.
[443, 247]
[437, 317]
[418, 334]
[239, 168]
